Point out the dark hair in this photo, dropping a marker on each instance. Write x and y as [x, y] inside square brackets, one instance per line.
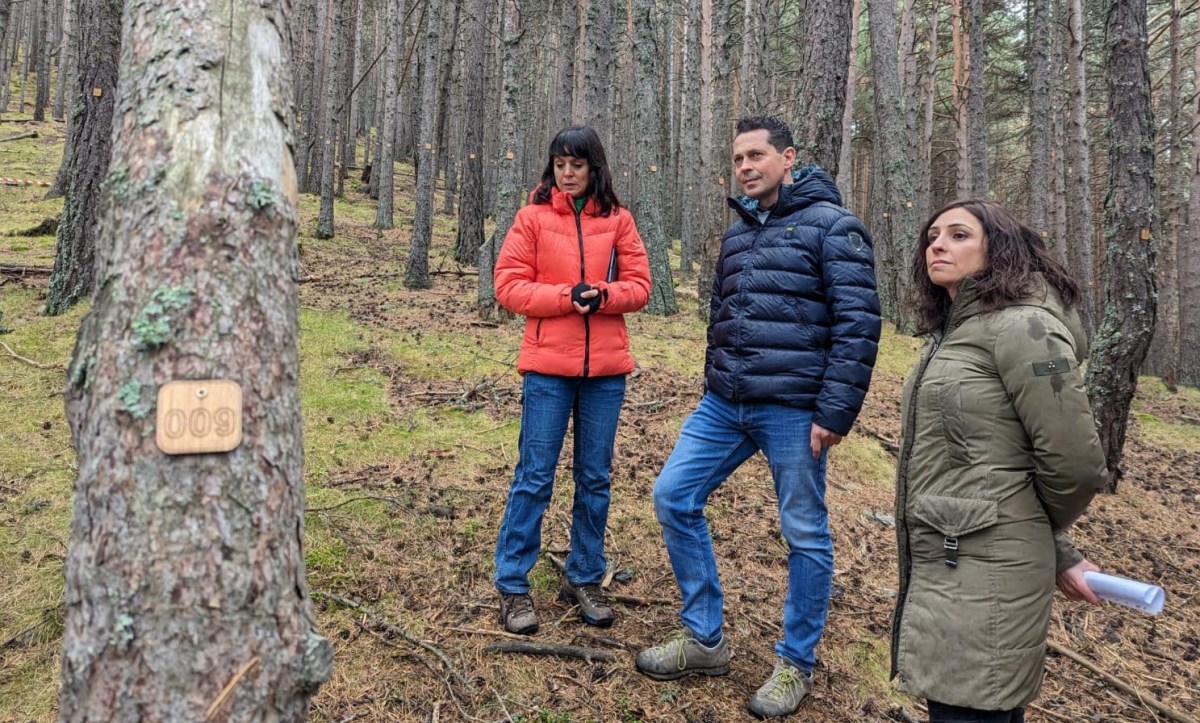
[1015, 255]
[778, 134]
[581, 142]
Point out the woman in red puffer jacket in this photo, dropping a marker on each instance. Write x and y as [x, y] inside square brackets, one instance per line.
[572, 264]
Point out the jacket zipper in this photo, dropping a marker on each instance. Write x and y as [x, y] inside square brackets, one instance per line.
[905, 458]
[587, 329]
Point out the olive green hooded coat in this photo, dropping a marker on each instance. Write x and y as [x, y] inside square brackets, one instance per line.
[999, 452]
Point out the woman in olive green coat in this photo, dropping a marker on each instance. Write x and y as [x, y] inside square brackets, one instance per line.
[999, 456]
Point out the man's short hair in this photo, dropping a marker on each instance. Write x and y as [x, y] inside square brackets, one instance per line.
[778, 134]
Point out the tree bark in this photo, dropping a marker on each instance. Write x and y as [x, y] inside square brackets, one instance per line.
[87, 152]
[384, 166]
[568, 40]
[962, 142]
[509, 191]
[43, 49]
[1081, 257]
[1163, 357]
[67, 64]
[754, 41]
[1189, 260]
[185, 574]
[977, 136]
[1129, 289]
[818, 133]
[1037, 59]
[416, 273]
[346, 78]
[329, 112]
[845, 176]
[470, 201]
[648, 164]
[599, 59]
[690, 129]
[898, 233]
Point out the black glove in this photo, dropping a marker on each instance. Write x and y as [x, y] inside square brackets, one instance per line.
[591, 304]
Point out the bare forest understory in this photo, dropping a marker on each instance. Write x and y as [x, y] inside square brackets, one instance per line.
[411, 409]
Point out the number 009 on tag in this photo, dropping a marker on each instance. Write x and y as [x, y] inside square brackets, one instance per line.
[196, 417]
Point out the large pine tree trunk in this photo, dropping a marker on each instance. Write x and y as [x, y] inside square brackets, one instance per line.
[1129, 289]
[1081, 257]
[87, 151]
[1189, 261]
[416, 273]
[962, 142]
[1037, 60]
[818, 131]
[897, 234]
[383, 168]
[508, 186]
[330, 112]
[185, 574]
[648, 164]
[754, 41]
[470, 201]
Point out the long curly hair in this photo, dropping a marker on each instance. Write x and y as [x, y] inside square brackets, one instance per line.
[1015, 256]
[581, 142]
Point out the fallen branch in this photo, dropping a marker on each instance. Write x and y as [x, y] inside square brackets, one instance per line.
[627, 599]
[22, 270]
[390, 500]
[559, 651]
[30, 362]
[497, 633]
[887, 444]
[1143, 698]
[19, 136]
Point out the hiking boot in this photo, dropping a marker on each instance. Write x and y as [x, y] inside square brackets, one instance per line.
[782, 693]
[592, 606]
[517, 615]
[682, 655]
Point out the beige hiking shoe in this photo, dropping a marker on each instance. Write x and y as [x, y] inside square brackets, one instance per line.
[517, 615]
[593, 607]
[682, 655]
[782, 693]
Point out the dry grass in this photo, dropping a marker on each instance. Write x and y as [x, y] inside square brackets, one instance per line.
[411, 411]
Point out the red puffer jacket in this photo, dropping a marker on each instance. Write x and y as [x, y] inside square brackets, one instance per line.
[549, 250]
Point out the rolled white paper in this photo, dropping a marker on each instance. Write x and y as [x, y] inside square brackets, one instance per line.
[1123, 591]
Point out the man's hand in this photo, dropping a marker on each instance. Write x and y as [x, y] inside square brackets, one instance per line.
[822, 438]
[1072, 584]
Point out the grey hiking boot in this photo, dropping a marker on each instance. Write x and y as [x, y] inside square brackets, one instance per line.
[517, 615]
[593, 608]
[682, 655]
[782, 693]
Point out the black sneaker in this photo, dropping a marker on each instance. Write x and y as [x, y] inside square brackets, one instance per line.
[517, 615]
[593, 608]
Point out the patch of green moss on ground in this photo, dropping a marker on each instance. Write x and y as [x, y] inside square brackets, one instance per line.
[898, 353]
[25, 207]
[861, 457]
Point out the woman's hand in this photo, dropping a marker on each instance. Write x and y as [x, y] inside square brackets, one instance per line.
[583, 300]
[1072, 584]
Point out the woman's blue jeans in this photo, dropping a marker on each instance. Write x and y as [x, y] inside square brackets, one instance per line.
[548, 403]
[715, 440]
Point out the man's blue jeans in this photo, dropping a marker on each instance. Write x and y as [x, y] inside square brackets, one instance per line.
[547, 404]
[715, 440]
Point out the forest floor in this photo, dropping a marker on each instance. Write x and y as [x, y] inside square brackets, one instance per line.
[411, 413]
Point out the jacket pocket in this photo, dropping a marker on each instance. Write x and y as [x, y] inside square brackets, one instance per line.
[537, 332]
[953, 423]
[950, 526]
[955, 516]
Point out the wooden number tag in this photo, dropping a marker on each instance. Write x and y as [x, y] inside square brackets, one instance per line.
[199, 416]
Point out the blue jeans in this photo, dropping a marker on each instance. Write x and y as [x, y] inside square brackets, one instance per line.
[547, 404]
[715, 440]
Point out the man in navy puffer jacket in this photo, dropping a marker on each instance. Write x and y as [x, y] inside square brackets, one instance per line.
[791, 344]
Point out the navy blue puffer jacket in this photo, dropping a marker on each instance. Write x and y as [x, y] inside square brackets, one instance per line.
[795, 314]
